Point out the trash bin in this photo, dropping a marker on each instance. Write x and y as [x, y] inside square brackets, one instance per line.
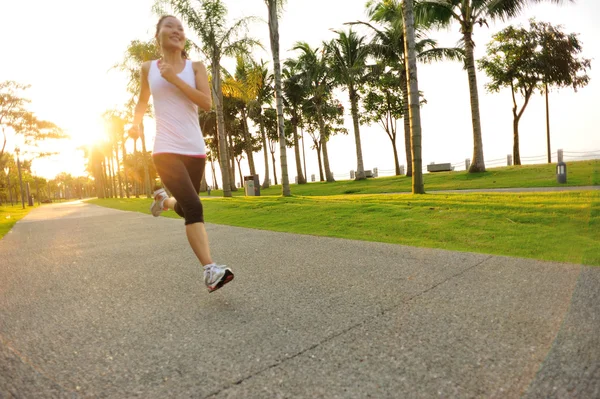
[561, 172]
[251, 185]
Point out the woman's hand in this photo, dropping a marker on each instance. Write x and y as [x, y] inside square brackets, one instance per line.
[134, 132]
[167, 72]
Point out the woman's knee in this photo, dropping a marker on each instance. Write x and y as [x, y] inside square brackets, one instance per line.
[193, 212]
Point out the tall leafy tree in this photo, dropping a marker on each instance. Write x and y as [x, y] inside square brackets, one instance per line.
[413, 95]
[273, 7]
[526, 60]
[469, 14]
[17, 118]
[348, 56]
[294, 95]
[317, 79]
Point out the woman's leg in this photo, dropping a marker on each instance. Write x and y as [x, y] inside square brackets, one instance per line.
[178, 173]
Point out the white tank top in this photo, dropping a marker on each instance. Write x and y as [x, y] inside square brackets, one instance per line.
[177, 125]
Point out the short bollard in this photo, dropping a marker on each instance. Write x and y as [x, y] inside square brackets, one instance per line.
[561, 172]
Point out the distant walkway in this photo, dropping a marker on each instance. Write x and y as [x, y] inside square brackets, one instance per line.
[96, 302]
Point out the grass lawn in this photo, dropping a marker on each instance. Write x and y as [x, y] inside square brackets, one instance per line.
[9, 215]
[582, 173]
[561, 227]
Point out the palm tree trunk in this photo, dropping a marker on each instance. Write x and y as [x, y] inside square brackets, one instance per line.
[135, 169]
[301, 179]
[548, 124]
[413, 91]
[111, 173]
[148, 189]
[218, 100]
[323, 134]
[360, 168]
[477, 163]
[304, 155]
[119, 171]
[265, 149]
[274, 36]
[248, 142]
[274, 166]
[239, 163]
[321, 176]
[215, 183]
[124, 152]
[406, 119]
[232, 165]
[328, 174]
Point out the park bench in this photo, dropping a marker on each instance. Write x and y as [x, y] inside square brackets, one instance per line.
[439, 167]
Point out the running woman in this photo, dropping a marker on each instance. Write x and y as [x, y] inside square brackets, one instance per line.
[178, 87]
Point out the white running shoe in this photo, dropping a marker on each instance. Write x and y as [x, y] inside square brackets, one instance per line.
[216, 276]
[157, 206]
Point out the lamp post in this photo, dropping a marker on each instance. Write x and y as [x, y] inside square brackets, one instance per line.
[17, 150]
[6, 170]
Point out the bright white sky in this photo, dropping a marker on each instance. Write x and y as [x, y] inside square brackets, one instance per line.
[65, 49]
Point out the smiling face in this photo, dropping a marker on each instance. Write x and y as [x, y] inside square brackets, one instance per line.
[169, 34]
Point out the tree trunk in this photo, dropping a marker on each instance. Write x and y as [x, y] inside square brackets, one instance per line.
[135, 169]
[274, 36]
[516, 118]
[274, 168]
[239, 163]
[119, 171]
[111, 173]
[328, 174]
[413, 92]
[145, 163]
[215, 183]
[321, 176]
[248, 142]
[360, 168]
[548, 124]
[396, 160]
[218, 100]
[232, 165]
[323, 134]
[406, 119]
[203, 183]
[124, 152]
[304, 155]
[265, 150]
[516, 152]
[301, 178]
[477, 163]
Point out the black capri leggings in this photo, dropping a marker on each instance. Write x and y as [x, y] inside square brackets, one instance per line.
[182, 175]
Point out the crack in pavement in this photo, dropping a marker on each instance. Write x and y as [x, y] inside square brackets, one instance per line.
[352, 327]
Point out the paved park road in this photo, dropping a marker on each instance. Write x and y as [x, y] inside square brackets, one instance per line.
[100, 303]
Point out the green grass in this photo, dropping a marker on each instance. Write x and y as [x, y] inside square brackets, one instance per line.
[582, 173]
[9, 215]
[562, 227]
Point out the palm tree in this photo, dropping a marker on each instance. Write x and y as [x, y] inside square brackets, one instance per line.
[413, 91]
[272, 6]
[349, 53]
[317, 78]
[470, 13]
[263, 81]
[137, 53]
[388, 47]
[209, 22]
[293, 96]
[242, 85]
[116, 132]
